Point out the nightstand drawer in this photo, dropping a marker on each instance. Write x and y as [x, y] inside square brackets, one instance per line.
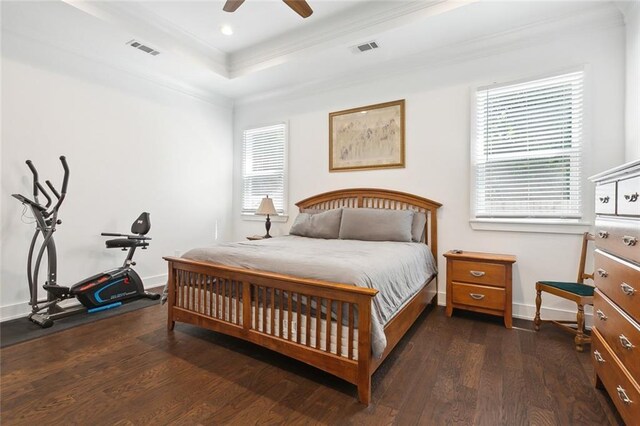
[622, 389]
[478, 295]
[619, 281]
[621, 333]
[479, 272]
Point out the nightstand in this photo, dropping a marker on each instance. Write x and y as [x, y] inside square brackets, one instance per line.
[480, 282]
[255, 237]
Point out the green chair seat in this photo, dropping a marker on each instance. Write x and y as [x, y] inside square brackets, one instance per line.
[575, 288]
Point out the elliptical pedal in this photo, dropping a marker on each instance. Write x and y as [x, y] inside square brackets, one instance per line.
[58, 291]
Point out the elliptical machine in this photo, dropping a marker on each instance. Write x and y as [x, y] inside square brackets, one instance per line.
[108, 289]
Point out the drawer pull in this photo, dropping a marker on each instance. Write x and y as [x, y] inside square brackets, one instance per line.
[605, 199]
[477, 273]
[601, 315]
[622, 394]
[632, 198]
[602, 273]
[627, 289]
[476, 296]
[598, 357]
[603, 234]
[629, 241]
[626, 343]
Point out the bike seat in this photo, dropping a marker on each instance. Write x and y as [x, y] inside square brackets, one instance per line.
[125, 243]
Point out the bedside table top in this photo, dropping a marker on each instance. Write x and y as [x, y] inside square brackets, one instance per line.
[474, 255]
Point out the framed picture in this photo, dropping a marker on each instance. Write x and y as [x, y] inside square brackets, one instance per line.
[369, 137]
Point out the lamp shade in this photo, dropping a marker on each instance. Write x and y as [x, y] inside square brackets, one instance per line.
[267, 207]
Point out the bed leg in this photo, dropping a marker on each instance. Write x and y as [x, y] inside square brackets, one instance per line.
[364, 389]
[171, 297]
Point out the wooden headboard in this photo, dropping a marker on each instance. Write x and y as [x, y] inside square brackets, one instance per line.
[380, 199]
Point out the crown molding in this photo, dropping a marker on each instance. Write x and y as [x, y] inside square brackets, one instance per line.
[157, 31]
[377, 18]
[590, 20]
[187, 90]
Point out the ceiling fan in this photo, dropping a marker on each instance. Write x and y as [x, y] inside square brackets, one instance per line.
[299, 6]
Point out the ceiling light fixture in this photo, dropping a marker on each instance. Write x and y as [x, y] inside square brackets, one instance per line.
[226, 30]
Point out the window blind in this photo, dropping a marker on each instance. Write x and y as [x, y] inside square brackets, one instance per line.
[263, 167]
[528, 149]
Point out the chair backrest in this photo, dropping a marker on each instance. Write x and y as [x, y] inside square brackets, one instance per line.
[142, 224]
[586, 237]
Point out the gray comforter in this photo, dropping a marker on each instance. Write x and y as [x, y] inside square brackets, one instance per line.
[397, 270]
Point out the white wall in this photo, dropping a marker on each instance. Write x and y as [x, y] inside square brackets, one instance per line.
[132, 146]
[437, 146]
[632, 21]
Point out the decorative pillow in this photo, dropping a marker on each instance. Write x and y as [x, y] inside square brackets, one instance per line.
[319, 225]
[376, 225]
[417, 228]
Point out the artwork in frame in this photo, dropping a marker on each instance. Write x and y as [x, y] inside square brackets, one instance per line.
[369, 137]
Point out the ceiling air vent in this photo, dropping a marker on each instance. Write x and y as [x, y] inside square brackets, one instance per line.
[361, 48]
[137, 45]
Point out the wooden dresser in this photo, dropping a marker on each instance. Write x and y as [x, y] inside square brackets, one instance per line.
[480, 282]
[616, 307]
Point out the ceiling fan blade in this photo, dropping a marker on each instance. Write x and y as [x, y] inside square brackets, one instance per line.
[232, 5]
[301, 7]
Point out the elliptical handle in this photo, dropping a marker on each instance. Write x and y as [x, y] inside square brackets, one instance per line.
[45, 193]
[63, 160]
[35, 179]
[52, 188]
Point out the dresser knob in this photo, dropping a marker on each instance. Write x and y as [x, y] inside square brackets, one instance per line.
[622, 394]
[627, 289]
[604, 200]
[602, 273]
[632, 198]
[603, 234]
[601, 315]
[598, 357]
[477, 273]
[629, 241]
[476, 296]
[626, 343]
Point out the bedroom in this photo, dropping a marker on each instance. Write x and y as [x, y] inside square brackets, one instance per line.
[164, 134]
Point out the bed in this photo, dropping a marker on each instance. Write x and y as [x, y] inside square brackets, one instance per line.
[329, 319]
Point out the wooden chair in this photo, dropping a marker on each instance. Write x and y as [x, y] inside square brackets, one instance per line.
[578, 292]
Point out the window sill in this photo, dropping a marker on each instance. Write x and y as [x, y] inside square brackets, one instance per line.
[524, 225]
[259, 218]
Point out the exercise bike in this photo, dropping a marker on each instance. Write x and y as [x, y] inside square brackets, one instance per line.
[108, 289]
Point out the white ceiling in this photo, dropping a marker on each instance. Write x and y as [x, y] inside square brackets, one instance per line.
[275, 51]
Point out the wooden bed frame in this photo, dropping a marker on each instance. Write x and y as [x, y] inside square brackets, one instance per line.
[221, 298]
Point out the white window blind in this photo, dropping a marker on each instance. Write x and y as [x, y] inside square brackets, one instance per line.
[528, 149]
[264, 167]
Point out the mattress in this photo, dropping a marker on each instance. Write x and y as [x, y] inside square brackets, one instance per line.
[397, 270]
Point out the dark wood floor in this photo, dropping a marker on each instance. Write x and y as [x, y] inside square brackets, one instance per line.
[462, 370]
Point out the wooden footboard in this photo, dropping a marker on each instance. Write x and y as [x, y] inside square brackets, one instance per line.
[290, 315]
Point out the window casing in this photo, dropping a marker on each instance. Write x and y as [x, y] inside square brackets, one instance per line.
[527, 150]
[264, 167]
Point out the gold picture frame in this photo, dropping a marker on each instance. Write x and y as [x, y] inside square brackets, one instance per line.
[369, 137]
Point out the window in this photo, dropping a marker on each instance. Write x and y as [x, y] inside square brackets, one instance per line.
[264, 167]
[527, 150]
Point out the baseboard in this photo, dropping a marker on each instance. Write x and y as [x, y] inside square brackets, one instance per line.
[17, 310]
[528, 312]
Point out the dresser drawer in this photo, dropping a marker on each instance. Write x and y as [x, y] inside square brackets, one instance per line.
[619, 281]
[606, 198]
[479, 272]
[619, 236]
[629, 197]
[621, 333]
[621, 388]
[478, 295]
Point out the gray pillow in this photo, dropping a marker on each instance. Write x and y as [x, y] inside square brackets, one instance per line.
[319, 225]
[376, 225]
[417, 228]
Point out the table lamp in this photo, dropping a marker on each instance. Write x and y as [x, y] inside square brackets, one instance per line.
[267, 208]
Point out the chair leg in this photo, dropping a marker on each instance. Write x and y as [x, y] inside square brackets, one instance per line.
[580, 336]
[536, 320]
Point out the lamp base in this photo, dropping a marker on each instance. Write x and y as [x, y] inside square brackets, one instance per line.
[267, 225]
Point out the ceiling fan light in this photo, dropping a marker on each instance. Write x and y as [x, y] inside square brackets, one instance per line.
[226, 30]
